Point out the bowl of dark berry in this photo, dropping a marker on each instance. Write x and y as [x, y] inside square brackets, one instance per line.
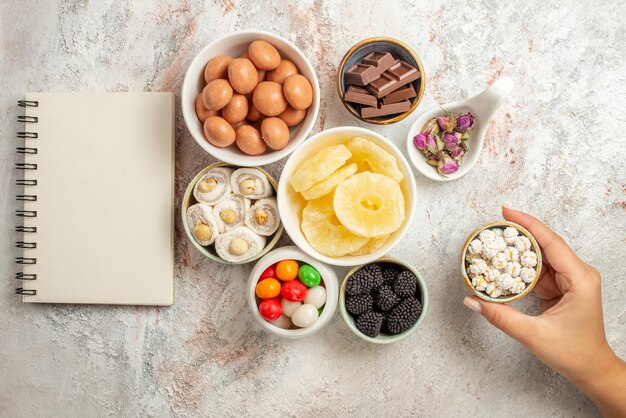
[385, 301]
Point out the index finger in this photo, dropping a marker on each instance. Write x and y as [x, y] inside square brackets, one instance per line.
[556, 251]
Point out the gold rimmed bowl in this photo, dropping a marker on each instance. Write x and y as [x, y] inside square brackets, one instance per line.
[534, 246]
[209, 251]
[399, 50]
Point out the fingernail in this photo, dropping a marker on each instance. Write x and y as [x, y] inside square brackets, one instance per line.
[473, 304]
[507, 206]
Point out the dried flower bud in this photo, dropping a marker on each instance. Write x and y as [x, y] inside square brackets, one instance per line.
[420, 141]
[431, 144]
[464, 122]
[457, 153]
[450, 141]
[447, 165]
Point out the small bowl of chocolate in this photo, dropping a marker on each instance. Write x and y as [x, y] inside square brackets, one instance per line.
[381, 80]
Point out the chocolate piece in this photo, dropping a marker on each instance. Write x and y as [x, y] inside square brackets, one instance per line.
[403, 93]
[370, 68]
[386, 109]
[360, 95]
[395, 77]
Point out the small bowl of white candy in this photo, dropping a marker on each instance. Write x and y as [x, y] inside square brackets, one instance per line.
[230, 215]
[501, 262]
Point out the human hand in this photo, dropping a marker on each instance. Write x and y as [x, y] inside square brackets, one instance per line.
[569, 335]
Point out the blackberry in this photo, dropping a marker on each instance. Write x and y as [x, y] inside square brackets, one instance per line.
[369, 323]
[386, 299]
[364, 280]
[405, 284]
[390, 273]
[359, 304]
[403, 316]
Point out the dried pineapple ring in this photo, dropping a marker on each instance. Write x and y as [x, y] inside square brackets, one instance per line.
[328, 185]
[369, 204]
[319, 167]
[371, 157]
[373, 244]
[324, 232]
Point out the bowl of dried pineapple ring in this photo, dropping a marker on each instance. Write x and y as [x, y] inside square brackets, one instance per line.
[347, 196]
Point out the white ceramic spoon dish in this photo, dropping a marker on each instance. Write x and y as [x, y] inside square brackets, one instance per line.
[482, 106]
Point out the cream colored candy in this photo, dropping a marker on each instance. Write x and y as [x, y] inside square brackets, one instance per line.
[229, 213]
[251, 183]
[239, 244]
[214, 186]
[262, 217]
[202, 224]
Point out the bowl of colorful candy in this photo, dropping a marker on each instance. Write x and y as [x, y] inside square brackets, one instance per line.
[501, 262]
[385, 301]
[291, 294]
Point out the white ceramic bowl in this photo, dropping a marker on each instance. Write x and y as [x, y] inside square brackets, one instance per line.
[385, 338]
[291, 203]
[234, 45]
[330, 282]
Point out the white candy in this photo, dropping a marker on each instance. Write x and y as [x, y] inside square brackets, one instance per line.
[200, 213]
[262, 217]
[251, 183]
[305, 316]
[229, 213]
[239, 244]
[475, 247]
[490, 249]
[518, 286]
[289, 307]
[480, 283]
[522, 244]
[505, 281]
[214, 186]
[486, 235]
[513, 268]
[500, 243]
[510, 234]
[496, 292]
[492, 274]
[527, 274]
[499, 261]
[316, 296]
[528, 259]
[283, 321]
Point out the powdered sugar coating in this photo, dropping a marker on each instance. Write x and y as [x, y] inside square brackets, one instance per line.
[501, 262]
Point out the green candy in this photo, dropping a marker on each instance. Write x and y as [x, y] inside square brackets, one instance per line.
[309, 276]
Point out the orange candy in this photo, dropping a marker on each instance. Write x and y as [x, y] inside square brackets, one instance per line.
[268, 288]
[287, 270]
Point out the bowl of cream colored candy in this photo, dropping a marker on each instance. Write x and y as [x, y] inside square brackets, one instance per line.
[230, 215]
[291, 294]
[501, 262]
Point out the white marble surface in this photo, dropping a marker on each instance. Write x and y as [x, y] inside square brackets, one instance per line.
[555, 148]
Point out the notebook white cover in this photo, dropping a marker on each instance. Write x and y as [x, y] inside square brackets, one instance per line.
[105, 193]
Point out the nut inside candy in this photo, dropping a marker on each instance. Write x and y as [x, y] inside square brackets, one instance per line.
[202, 232]
[261, 217]
[247, 187]
[207, 185]
[238, 246]
[229, 216]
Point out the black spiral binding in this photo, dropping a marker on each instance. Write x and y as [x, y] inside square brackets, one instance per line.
[26, 197]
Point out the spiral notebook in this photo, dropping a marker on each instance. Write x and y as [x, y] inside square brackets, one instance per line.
[97, 187]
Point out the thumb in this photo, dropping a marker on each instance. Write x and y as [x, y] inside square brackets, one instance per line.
[505, 317]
